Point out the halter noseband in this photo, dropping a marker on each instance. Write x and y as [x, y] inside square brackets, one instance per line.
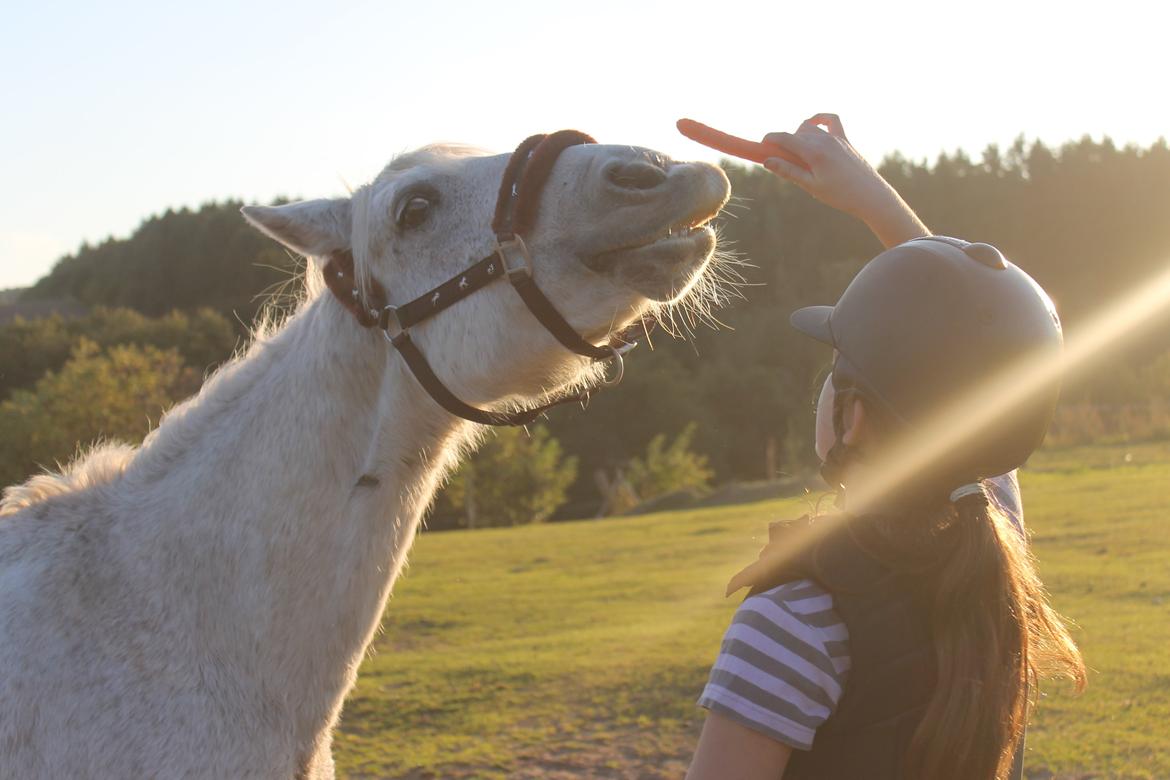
[524, 178]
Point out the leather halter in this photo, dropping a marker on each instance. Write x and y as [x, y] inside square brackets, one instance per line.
[524, 177]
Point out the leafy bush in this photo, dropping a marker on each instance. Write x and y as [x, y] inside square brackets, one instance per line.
[666, 468]
[1084, 422]
[515, 478]
[30, 348]
[116, 394]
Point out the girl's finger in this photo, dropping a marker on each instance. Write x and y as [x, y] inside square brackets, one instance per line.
[830, 121]
[811, 125]
[787, 170]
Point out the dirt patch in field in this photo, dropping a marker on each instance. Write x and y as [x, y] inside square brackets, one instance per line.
[629, 754]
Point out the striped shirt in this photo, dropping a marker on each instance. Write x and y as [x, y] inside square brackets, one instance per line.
[785, 660]
[783, 663]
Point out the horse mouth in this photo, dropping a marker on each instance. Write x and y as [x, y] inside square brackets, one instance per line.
[658, 241]
[678, 243]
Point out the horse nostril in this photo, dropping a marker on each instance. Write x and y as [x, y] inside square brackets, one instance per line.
[636, 176]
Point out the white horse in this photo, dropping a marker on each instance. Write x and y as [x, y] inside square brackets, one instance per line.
[199, 607]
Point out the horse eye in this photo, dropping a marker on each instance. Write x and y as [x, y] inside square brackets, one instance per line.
[414, 212]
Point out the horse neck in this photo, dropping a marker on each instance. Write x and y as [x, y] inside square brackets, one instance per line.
[290, 491]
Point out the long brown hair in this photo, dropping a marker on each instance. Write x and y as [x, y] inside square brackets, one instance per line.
[995, 634]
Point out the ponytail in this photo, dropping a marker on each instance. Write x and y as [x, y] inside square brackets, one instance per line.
[994, 634]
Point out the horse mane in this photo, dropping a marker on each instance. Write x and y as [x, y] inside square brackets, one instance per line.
[100, 465]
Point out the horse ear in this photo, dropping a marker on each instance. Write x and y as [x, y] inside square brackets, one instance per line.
[316, 228]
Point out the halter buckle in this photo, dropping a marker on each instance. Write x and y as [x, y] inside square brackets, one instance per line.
[389, 323]
[524, 265]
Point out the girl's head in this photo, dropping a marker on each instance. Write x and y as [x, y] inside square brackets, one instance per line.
[916, 335]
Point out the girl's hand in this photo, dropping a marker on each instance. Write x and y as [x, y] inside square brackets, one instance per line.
[840, 177]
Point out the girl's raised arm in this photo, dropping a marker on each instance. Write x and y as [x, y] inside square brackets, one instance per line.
[838, 176]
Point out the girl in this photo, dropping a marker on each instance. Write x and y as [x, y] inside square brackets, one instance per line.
[898, 637]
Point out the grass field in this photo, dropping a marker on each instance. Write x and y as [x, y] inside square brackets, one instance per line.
[578, 649]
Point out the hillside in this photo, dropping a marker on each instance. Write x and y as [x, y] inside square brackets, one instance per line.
[187, 259]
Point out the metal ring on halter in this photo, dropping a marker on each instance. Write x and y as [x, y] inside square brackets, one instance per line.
[389, 323]
[625, 347]
[606, 381]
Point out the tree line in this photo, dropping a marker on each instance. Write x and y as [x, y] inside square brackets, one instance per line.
[1088, 219]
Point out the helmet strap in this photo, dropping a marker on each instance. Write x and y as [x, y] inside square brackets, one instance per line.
[840, 454]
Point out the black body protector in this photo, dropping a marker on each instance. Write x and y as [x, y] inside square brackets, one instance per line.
[920, 323]
[893, 666]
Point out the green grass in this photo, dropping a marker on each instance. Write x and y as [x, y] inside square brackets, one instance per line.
[578, 649]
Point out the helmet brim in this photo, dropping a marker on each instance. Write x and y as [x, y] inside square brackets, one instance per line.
[814, 321]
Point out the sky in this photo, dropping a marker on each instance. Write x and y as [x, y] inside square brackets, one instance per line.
[111, 112]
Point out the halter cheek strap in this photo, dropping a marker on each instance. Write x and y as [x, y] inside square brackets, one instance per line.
[516, 208]
[524, 177]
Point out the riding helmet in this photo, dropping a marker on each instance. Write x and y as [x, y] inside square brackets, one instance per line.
[932, 319]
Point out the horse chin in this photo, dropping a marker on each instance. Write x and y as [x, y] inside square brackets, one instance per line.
[662, 270]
